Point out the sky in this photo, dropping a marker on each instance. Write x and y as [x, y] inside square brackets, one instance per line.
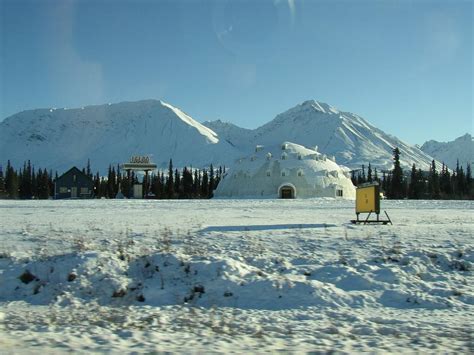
[405, 66]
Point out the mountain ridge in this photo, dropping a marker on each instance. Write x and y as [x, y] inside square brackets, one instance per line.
[461, 148]
[111, 133]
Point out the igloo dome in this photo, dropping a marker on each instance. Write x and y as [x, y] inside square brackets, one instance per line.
[288, 170]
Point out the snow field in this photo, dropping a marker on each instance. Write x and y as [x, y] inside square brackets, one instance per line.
[234, 276]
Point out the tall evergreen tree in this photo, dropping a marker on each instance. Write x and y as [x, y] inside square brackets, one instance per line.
[469, 182]
[433, 181]
[88, 169]
[376, 176]
[43, 184]
[205, 185]
[110, 183]
[396, 188]
[445, 186]
[196, 184]
[11, 182]
[169, 181]
[187, 183]
[354, 178]
[369, 174]
[177, 184]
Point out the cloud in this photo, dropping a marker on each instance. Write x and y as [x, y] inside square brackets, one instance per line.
[243, 75]
[73, 78]
[224, 33]
[290, 7]
[442, 39]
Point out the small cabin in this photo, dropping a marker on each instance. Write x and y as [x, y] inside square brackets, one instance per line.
[73, 184]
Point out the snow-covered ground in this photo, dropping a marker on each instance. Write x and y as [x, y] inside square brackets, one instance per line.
[234, 275]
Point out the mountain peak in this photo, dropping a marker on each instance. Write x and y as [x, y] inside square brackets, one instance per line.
[319, 106]
[461, 149]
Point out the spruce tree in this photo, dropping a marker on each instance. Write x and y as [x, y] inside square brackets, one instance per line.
[205, 185]
[196, 184]
[11, 182]
[177, 185]
[469, 182]
[353, 177]
[169, 181]
[433, 181]
[187, 183]
[396, 188]
[43, 184]
[88, 169]
[118, 178]
[445, 186]
[369, 174]
[110, 182]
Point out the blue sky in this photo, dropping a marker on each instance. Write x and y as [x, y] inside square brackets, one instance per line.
[406, 66]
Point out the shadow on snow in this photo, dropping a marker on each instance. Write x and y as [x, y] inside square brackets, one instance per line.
[263, 227]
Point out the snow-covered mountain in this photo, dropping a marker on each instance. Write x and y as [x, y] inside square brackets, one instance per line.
[348, 137]
[60, 138]
[461, 148]
[236, 136]
[111, 133]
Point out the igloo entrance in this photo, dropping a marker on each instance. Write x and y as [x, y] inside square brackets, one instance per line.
[287, 191]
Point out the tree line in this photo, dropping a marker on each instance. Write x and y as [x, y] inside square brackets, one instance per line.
[418, 184]
[186, 183]
[26, 183]
[189, 183]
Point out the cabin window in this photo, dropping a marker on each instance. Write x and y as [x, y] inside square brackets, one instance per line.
[84, 191]
[339, 193]
[63, 190]
[269, 173]
[74, 178]
[300, 173]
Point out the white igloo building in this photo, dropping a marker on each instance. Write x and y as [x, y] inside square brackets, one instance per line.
[286, 171]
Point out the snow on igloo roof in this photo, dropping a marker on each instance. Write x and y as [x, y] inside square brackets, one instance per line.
[290, 156]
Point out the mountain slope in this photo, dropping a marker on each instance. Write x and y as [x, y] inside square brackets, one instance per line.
[348, 137]
[236, 136]
[461, 148]
[59, 138]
